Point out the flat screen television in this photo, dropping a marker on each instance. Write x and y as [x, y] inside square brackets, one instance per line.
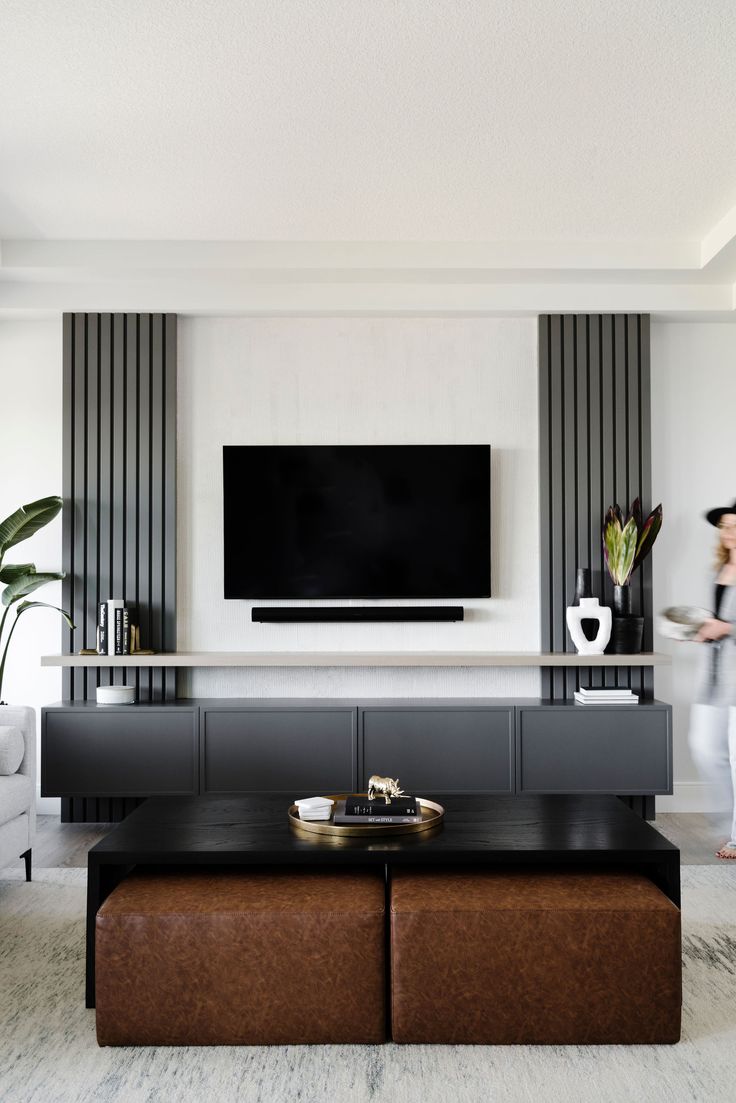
[354, 521]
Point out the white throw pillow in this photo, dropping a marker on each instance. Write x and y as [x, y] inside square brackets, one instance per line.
[12, 749]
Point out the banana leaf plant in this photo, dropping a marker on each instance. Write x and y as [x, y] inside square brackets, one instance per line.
[22, 579]
[628, 541]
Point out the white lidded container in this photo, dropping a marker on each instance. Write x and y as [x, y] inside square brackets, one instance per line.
[116, 695]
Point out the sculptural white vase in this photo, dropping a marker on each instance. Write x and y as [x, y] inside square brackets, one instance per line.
[589, 609]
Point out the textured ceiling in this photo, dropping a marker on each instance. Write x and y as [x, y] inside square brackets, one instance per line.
[372, 120]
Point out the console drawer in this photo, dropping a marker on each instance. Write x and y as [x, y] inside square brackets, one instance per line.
[131, 751]
[290, 750]
[440, 750]
[625, 750]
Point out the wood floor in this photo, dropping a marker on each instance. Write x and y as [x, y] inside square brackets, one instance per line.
[66, 844]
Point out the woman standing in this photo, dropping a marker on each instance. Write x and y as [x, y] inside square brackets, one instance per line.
[713, 717]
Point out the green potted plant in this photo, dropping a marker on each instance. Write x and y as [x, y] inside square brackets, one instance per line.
[626, 544]
[22, 579]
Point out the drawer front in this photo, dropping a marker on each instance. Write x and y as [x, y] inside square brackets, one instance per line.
[279, 750]
[621, 750]
[119, 754]
[440, 750]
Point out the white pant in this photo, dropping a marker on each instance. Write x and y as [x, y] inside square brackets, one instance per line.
[712, 740]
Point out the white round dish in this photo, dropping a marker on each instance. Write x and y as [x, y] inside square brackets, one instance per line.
[116, 695]
[681, 622]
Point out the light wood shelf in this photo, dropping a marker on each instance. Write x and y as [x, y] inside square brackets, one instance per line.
[358, 658]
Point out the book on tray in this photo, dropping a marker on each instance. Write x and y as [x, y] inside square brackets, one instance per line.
[386, 816]
[399, 806]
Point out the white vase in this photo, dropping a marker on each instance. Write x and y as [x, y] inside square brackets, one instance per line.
[589, 609]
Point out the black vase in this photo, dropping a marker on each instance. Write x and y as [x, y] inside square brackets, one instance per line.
[582, 589]
[627, 631]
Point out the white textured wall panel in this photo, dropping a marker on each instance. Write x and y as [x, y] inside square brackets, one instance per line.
[359, 381]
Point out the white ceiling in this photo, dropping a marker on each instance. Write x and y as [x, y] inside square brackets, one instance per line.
[548, 130]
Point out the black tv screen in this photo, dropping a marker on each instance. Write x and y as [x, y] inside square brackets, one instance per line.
[353, 521]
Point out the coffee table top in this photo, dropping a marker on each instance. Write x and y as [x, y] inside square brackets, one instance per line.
[255, 830]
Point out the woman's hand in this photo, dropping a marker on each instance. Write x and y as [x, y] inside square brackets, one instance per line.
[713, 629]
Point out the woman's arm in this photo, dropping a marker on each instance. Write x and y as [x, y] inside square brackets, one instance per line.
[714, 629]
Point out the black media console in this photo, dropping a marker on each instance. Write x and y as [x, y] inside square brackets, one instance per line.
[294, 746]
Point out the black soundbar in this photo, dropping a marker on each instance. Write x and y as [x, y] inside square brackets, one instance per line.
[283, 614]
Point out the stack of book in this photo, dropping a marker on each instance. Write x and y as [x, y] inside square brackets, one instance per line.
[606, 697]
[116, 633]
[314, 808]
[358, 809]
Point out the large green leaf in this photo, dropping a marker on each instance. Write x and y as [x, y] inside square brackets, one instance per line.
[27, 520]
[26, 584]
[11, 571]
[619, 546]
[45, 605]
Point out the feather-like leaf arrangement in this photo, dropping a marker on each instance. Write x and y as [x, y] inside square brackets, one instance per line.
[627, 543]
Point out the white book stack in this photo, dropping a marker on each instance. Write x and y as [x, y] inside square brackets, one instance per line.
[314, 808]
[606, 697]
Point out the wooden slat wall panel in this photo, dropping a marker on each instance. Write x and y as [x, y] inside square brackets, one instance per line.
[594, 435]
[119, 488]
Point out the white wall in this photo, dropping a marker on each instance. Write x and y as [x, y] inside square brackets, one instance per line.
[693, 469]
[359, 380]
[30, 468]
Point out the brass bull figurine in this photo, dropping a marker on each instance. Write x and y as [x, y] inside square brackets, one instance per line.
[385, 787]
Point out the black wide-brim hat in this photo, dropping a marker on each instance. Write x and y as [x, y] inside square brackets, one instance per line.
[713, 516]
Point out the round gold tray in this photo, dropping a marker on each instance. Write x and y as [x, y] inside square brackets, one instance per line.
[432, 816]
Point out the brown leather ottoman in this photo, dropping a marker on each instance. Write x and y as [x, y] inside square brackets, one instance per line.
[519, 958]
[231, 958]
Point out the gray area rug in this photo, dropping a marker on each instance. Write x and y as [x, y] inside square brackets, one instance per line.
[48, 1052]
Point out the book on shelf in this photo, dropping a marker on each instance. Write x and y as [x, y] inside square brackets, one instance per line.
[102, 628]
[605, 691]
[602, 700]
[399, 806]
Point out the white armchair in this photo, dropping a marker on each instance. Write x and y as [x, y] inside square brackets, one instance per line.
[18, 788]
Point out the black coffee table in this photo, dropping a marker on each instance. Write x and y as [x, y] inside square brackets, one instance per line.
[597, 832]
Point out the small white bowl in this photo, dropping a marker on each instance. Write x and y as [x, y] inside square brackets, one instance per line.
[116, 695]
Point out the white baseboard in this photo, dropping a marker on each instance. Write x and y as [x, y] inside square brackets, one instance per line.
[48, 806]
[688, 796]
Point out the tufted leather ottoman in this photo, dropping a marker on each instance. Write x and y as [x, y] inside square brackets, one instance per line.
[231, 958]
[543, 957]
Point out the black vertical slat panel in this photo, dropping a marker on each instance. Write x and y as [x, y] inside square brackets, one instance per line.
[545, 543]
[168, 531]
[582, 445]
[92, 495]
[608, 451]
[119, 489]
[118, 471]
[105, 503]
[78, 609]
[569, 464]
[131, 473]
[594, 421]
[633, 461]
[67, 492]
[157, 498]
[645, 479]
[595, 475]
[144, 497]
[557, 486]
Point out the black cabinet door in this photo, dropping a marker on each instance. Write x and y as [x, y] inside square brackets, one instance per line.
[439, 750]
[126, 752]
[624, 749]
[290, 750]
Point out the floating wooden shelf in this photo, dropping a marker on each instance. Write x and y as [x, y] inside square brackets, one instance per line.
[358, 658]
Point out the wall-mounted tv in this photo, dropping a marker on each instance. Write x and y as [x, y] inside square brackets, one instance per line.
[357, 521]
